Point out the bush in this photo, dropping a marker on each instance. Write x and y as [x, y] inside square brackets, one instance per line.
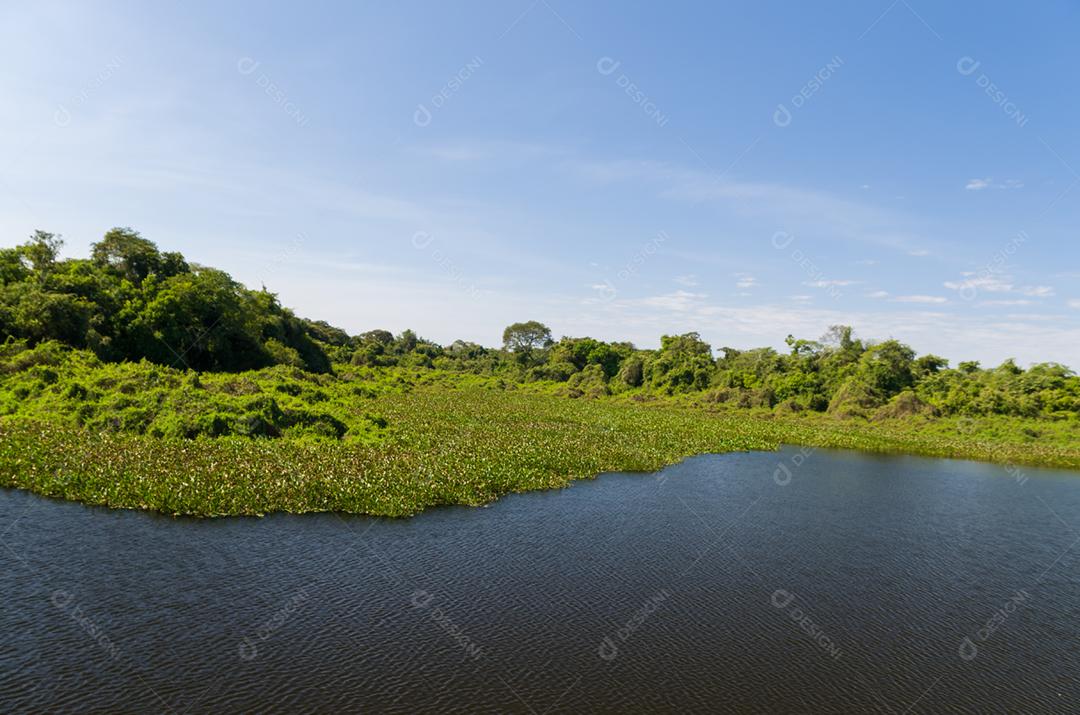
[855, 398]
[588, 383]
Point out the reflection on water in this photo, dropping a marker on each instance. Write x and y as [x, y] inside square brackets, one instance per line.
[792, 582]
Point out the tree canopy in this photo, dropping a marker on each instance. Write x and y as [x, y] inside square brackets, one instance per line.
[130, 301]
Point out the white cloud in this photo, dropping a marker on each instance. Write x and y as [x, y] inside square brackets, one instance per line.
[1075, 304]
[996, 283]
[1020, 301]
[485, 150]
[988, 183]
[1041, 317]
[989, 283]
[745, 280]
[878, 294]
[830, 283]
[919, 252]
[919, 299]
[679, 301]
[455, 153]
[689, 280]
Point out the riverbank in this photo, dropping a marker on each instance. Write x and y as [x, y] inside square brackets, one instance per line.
[463, 444]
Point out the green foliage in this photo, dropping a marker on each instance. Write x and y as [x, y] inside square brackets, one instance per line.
[552, 371]
[632, 372]
[683, 364]
[887, 367]
[50, 381]
[133, 258]
[132, 302]
[527, 341]
[590, 382]
[530, 335]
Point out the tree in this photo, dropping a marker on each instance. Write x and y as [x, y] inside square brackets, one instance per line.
[466, 350]
[526, 337]
[131, 255]
[200, 320]
[887, 367]
[800, 347]
[42, 251]
[377, 337]
[1009, 367]
[582, 352]
[930, 365]
[324, 332]
[839, 336]
[683, 364]
[632, 371]
[28, 311]
[13, 266]
[524, 340]
[407, 341]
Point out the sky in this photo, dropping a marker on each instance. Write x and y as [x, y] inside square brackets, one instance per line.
[746, 170]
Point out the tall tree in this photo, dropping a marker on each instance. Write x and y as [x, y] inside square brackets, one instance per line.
[526, 336]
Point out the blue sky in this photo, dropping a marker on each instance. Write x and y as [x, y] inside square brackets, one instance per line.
[746, 170]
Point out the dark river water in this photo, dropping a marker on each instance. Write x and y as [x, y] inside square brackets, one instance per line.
[824, 582]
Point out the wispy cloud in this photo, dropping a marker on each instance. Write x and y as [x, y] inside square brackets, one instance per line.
[934, 299]
[830, 283]
[745, 281]
[988, 183]
[1019, 301]
[998, 283]
[807, 210]
[476, 151]
[678, 301]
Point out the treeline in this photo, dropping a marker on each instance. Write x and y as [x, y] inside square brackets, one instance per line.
[129, 301]
[839, 373]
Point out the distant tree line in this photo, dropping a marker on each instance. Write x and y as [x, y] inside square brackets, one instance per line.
[130, 301]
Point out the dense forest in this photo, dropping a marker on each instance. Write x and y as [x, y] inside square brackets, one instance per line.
[131, 302]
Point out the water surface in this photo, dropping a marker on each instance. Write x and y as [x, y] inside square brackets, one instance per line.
[791, 582]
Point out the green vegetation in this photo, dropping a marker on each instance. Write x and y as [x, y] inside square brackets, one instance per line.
[135, 379]
[129, 301]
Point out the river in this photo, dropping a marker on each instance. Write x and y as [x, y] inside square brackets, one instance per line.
[800, 581]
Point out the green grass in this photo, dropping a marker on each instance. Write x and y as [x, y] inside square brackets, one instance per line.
[446, 439]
